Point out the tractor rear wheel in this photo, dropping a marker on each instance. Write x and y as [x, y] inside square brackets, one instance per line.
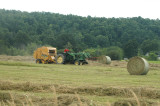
[77, 62]
[60, 59]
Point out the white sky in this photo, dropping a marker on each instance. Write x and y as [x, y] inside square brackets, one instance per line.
[95, 8]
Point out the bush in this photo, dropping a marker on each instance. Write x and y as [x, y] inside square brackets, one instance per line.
[14, 51]
[115, 53]
[95, 52]
[27, 50]
[152, 56]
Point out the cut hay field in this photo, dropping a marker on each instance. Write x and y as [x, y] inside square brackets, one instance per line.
[22, 82]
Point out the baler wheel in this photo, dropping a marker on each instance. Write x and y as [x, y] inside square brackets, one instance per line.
[38, 61]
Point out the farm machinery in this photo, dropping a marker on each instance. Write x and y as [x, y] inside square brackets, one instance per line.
[47, 55]
[73, 58]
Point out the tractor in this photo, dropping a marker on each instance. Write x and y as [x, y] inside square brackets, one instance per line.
[73, 58]
[47, 55]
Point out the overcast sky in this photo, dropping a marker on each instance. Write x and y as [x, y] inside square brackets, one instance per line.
[95, 8]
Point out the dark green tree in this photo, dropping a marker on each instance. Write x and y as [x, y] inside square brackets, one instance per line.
[21, 39]
[18, 29]
[150, 45]
[131, 48]
[102, 41]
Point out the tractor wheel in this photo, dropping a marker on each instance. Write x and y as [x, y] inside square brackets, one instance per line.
[60, 59]
[77, 62]
[38, 61]
[83, 63]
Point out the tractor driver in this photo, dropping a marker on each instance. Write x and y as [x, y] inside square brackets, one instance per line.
[66, 50]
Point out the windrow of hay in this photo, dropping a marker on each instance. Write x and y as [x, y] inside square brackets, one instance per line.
[132, 102]
[104, 59]
[27, 86]
[13, 99]
[99, 91]
[137, 66]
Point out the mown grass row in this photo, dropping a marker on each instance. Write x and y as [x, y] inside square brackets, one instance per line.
[99, 91]
[14, 99]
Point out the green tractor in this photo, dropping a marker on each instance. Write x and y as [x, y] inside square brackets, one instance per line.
[72, 58]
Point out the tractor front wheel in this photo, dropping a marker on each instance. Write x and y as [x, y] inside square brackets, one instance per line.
[60, 59]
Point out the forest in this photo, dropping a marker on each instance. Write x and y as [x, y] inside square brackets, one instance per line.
[22, 32]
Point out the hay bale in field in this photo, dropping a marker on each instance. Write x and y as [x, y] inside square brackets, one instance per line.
[137, 66]
[108, 60]
[104, 59]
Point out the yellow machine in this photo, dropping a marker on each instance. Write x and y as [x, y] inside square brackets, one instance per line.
[45, 55]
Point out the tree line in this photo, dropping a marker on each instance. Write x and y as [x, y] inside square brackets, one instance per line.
[22, 32]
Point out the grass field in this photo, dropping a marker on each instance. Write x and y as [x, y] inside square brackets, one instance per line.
[156, 62]
[95, 84]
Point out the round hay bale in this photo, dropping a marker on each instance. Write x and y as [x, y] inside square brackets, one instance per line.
[104, 59]
[137, 66]
[108, 60]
